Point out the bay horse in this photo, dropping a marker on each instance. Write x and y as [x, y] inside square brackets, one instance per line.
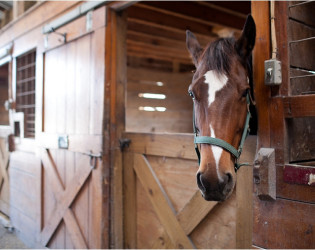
[220, 90]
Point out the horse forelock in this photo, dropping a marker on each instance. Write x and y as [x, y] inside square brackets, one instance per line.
[218, 55]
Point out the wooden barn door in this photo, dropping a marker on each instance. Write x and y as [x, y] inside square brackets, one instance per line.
[5, 131]
[71, 142]
[284, 210]
[163, 207]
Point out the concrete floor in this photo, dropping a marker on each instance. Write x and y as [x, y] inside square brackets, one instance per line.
[9, 239]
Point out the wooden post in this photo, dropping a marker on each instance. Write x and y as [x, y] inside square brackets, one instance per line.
[116, 77]
[18, 8]
[260, 13]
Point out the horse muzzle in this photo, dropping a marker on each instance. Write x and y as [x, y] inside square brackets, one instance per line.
[215, 189]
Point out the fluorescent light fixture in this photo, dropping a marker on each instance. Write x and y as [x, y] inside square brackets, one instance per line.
[147, 108]
[152, 109]
[152, 96]
[160, 109]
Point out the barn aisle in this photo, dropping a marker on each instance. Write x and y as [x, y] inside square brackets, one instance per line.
[9, 240]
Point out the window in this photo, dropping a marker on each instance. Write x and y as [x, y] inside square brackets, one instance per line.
[25, 92]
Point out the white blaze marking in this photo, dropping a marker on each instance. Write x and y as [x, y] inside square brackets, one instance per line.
[215, 82]
[217, 152]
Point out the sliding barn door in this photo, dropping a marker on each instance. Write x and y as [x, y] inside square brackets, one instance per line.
[284, 210]
[71, 139]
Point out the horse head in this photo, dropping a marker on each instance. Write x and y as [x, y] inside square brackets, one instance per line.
[220, 91]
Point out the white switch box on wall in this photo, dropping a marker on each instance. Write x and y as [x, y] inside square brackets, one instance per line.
[273, 72]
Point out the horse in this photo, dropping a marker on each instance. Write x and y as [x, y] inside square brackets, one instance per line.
[220, 90]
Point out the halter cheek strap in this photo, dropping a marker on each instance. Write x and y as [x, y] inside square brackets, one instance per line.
[221, 143]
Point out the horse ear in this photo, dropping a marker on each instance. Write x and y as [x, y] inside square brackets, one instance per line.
[246, 42]
[193, 46]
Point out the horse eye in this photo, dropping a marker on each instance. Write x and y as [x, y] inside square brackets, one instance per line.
[245, 93]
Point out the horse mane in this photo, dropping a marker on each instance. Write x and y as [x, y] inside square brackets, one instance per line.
[217, 55]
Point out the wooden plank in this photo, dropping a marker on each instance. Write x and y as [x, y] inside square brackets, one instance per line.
[194, 212]
[154, 39]
[284, 224]
[97, 79]
[118, 123]
[202, 13]
[77, 143]
[298, 31]
[178, 145]
[74, 230]
[82, 90]
[277, 129]
[147, 76]
[160, 203]
[77, 29]
[37, 17]
[301, 140]
[300, 56]
[298, 72]
[302, 85]
[260, 13]
[157, 51]
[299, 106]
[153, 16]
[301, 175]
[218, 229]
[161, 31]
[130, 206]
[303, 12]
[244, 193]
[65, 197]
[80, 205]
[281, 14]
[301, 193]
[70, 163]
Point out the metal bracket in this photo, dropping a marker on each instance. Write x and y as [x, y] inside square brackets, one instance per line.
[63, 35]
[124, 143]
[93, 158]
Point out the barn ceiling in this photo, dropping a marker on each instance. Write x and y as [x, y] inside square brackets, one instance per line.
[157, 30]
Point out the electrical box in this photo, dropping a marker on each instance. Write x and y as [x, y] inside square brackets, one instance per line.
[273, 72]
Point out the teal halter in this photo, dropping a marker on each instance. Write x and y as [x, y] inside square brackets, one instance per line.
[220, 143]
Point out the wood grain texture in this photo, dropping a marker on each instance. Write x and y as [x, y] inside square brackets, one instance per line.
[260, 13]
[244, 193]
[154, 144]
[160, 203]
[299, 106]
[275, 221]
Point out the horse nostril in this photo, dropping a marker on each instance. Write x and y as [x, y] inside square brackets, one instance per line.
[199, 182]
[228, 178]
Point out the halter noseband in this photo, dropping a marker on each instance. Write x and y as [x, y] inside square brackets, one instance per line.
[221, 143]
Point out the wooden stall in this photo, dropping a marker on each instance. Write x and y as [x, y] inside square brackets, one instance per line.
[284, 210]
[96, 137]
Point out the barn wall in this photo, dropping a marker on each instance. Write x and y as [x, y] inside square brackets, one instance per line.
[286, 119]
[69, 100]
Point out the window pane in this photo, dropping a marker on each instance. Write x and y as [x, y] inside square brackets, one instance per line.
[25, 91]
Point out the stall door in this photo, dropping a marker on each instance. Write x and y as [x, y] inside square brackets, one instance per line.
[163, 207]
[71, 138]
[284, 210]
[5, 130]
